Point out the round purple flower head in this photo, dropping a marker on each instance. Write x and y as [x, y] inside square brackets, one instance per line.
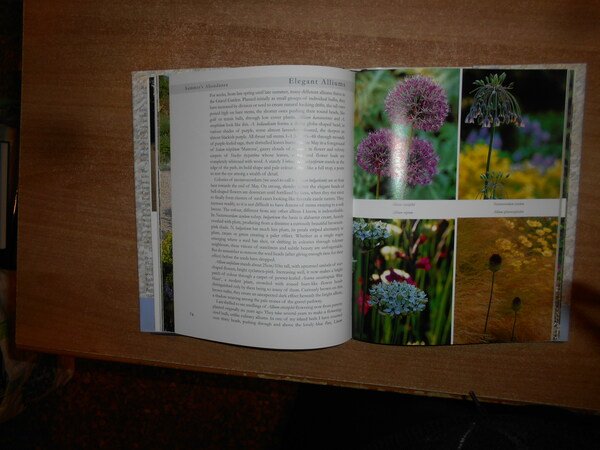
[418, 101]
[422, 163]
[380, 153]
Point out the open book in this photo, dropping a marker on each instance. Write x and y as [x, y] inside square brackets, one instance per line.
[297, 207]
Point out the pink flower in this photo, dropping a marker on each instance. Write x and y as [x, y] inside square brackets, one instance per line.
[363, 303]
[424, 263]
[398, 275]
[401, 255]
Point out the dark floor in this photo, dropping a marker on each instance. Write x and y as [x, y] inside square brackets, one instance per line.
[110, 405]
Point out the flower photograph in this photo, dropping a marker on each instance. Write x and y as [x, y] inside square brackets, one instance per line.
[406, 133]
[402, 281]
[505, 272]
[512, 130]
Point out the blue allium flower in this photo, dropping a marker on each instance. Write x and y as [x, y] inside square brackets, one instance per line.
[541, 162]
[483, 135]
[381, 153]
[370, 234]
[422, 163]
[493, 103]
[397, 298]
[533, 130]
[418, 101]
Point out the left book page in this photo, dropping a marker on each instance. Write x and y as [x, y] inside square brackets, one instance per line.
[258, 168]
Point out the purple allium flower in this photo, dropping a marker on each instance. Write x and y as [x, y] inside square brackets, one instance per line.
[418, 101]
[422, 163]
[382, 153]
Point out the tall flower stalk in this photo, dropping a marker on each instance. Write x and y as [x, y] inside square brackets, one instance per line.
[493, 105]
[494, 265]
[516, 306]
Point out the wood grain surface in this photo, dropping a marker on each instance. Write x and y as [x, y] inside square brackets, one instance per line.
[77, 273]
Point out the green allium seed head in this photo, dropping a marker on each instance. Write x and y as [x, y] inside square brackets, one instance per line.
[493, 103]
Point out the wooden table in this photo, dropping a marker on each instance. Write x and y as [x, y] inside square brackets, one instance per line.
[77, 279]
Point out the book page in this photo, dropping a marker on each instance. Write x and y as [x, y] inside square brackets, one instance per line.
[465, 190]
[261, 189]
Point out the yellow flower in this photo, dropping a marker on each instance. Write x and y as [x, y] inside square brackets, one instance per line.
[472, 165]
[504, 244]
[516, 264]
[526, 242]
[525, 181]
[534, 223]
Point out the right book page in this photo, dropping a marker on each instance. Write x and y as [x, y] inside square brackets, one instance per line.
[465, 187]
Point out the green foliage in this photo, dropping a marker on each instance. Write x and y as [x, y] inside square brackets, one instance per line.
[164, 124]
[494, 80]
[166, 258]
[166, 249]
[493, 184]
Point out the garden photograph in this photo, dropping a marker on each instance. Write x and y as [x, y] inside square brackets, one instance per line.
[512, 134]
[402, 281]
[165, 212]
[505, 275]
[406, 133]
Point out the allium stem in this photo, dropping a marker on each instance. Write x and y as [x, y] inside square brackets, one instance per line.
[489, 303]
[376, 325]
[405, 336]
[361, 311]
[487, 165]
[395, 330]
[512, 336]
[378, 183]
